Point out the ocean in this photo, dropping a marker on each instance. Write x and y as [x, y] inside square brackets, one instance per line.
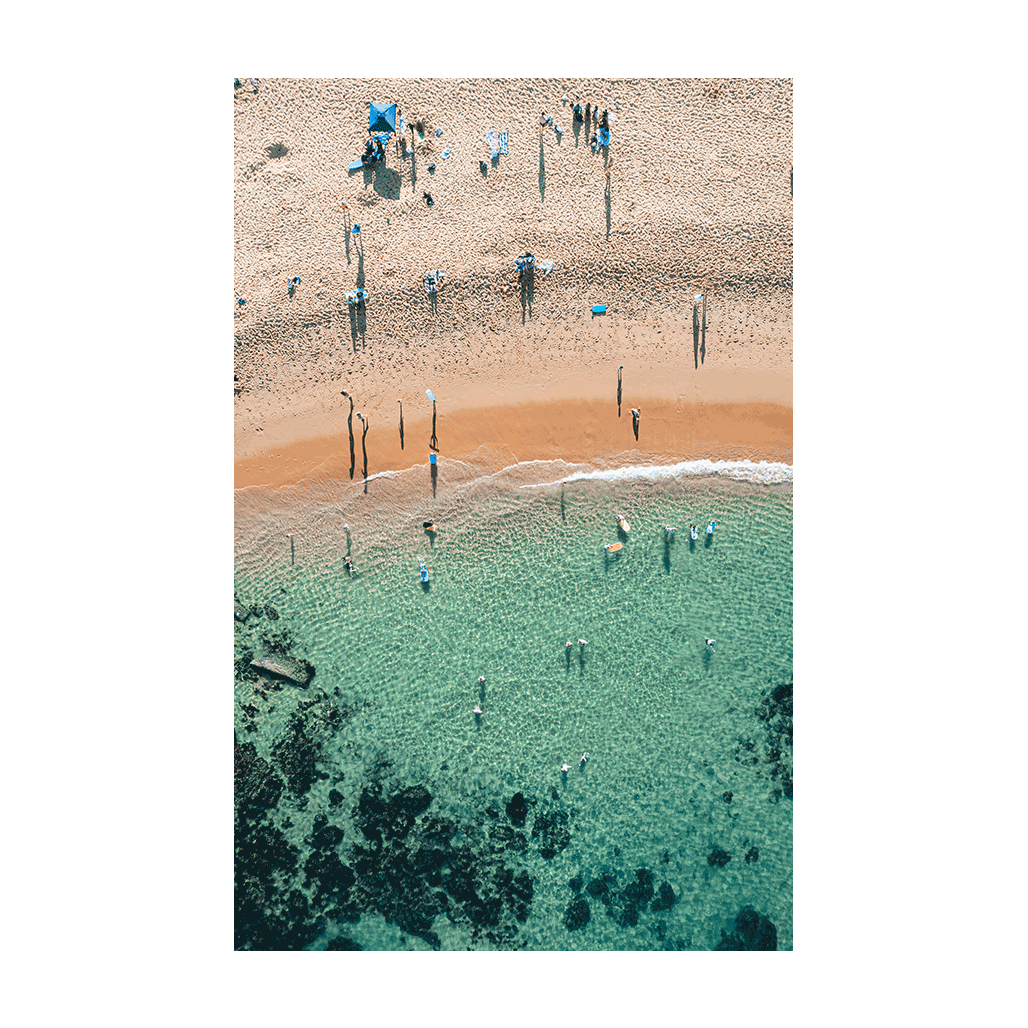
[376, 810]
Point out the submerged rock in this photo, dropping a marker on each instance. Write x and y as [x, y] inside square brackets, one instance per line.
[638, 893]
[577, 915]
[752, 931]
[257, 787]
[666, 898]
[517, 809]
[297, 671]
[718, 857]
[296, 756]
[552, 831]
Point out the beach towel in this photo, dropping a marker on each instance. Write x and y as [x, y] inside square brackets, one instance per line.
[494, 144]
[446, 153]
[503, 141]
[547, 266]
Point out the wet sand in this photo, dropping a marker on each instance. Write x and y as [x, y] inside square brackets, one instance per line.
[499, 436]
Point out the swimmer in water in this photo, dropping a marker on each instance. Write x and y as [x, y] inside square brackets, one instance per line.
[565, 768]
[585, 757]
[477, 711]
[710, 643]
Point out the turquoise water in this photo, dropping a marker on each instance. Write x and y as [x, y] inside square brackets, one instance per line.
[518, 570]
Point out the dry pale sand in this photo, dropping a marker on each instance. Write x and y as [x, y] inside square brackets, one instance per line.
[693, 195]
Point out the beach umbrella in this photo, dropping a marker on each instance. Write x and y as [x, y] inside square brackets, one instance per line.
[430, 395]
[382, 118]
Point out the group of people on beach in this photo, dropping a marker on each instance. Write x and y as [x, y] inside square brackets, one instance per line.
[373, 151]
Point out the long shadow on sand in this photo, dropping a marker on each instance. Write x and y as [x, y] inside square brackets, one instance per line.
[606, 200]
[349, 426]
[527, 292]
[703, 328]
[387, 183]
[695, 337]
[542, 171]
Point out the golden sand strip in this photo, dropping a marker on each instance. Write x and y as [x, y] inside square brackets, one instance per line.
[574, 431]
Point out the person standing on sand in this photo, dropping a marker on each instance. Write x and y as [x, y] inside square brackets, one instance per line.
[620, 369]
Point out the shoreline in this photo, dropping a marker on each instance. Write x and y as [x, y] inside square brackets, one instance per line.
[671, 430]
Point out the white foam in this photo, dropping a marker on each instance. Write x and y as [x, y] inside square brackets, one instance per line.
[765, 472]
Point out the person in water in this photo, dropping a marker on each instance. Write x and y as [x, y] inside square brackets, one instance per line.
[710, 643]
[477, 711]
[565, 768]
[584, 758]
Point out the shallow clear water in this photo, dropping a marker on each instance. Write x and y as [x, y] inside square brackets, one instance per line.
[517, 571]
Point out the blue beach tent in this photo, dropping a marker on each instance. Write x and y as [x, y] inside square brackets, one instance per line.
[382, 118]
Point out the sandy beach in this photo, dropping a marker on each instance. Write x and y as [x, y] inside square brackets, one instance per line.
[692, 197]
[423, 614]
